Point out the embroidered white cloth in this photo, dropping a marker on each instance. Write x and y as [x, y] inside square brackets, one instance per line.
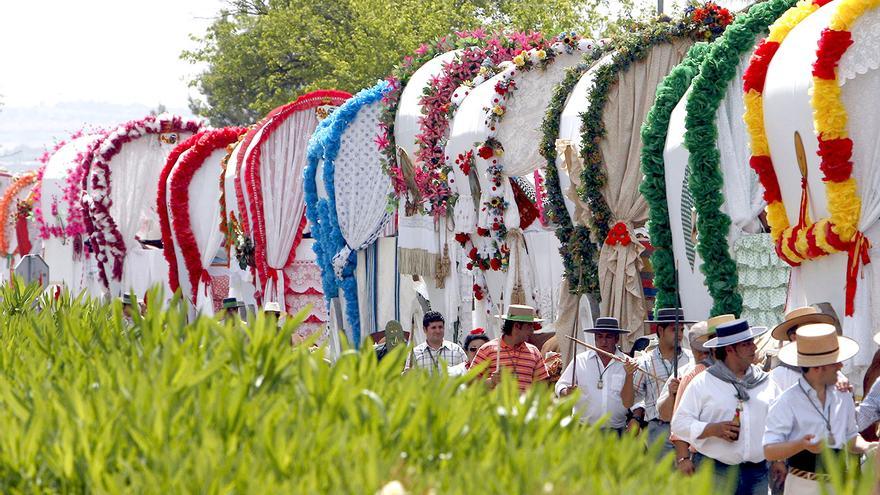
[361, 187]
[282, 161]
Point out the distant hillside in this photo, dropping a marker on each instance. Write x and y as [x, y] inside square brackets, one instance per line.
[26, 132]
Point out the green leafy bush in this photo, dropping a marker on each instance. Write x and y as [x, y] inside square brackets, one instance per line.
[91, 403]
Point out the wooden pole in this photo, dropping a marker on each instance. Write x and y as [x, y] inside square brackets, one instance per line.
[612, 356]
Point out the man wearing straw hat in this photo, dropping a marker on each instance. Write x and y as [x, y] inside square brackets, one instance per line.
[784, 375]
[599, 377]
[812, 414]
[722, 412]
[640, 390]
[512, 351]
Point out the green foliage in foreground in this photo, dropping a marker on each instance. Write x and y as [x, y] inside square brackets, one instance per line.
[91, 404]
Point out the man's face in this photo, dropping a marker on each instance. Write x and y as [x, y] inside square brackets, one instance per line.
[607, 341]
[126, 310]
[473, 347]
[667, 334]
[792, 334]
[744, 351]
[523, 330]
[828, 373]
[435, 331]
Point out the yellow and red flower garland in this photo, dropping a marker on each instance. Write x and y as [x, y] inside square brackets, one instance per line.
[840, 231]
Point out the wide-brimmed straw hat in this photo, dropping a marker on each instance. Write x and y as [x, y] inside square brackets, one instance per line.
[798, 317]
[521, 313]
[818, 344]
[704, 330]
[734, 332]
[606, 324]
[665, 316]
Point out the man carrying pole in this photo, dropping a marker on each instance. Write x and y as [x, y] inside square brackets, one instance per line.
[641, 391]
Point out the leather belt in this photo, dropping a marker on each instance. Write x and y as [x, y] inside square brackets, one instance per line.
[807, 475]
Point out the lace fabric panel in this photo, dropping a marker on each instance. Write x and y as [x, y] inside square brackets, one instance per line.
[864, 54]
[743, 194]
[520, 130]
[361, 194]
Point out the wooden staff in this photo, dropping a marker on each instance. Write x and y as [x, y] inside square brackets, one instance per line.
[616, 358]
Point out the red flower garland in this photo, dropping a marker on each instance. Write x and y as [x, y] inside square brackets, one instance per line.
[254, 180]
[104, 234]
[206, 143]
[162, 209]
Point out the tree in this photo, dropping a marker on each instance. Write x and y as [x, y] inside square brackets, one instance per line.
[261, 54]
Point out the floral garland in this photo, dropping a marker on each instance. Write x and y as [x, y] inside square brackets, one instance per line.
[162, 209]
[495, 254]
[708, 90]
[397, 81]
[303, 103]
[6, 204]
[438, 108]
[835, 146]
[318, 215]
[197, 154]
[71, 192]
[104, 235]
[791, 242]
[654, 132]
[593, 130]
[576, 247]
[227, 219]
[322, 213]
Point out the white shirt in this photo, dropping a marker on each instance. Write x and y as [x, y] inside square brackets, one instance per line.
[797, 413]
[647, 389]
[785, 377]
[710, 400]
[594, 403]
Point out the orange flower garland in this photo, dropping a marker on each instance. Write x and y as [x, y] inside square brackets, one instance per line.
[6, 201]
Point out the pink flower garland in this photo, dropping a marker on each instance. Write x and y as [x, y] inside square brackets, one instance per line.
[205, 145]
[70, 194]
[432, 173]
[162, 209]
[104, 234]
[254, 179]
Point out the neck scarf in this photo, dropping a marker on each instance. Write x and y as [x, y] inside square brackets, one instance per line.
[754, 376]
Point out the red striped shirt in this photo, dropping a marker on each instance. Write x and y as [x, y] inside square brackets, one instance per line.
[524, 360]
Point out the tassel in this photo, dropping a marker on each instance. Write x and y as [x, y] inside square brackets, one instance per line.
[442, 268]
[518, 294]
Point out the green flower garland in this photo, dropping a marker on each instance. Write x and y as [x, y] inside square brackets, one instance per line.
[709, 88]
[653, 187]
[576, 248]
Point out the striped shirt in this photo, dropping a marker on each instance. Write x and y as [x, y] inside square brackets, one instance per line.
[523, 359]
[429, 359]
[647, 389]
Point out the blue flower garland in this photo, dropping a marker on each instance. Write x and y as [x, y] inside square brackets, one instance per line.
[325, 223]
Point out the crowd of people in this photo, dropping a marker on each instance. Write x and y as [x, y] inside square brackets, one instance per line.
[709, 392]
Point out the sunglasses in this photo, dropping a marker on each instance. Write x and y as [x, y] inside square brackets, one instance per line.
[473, 349]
